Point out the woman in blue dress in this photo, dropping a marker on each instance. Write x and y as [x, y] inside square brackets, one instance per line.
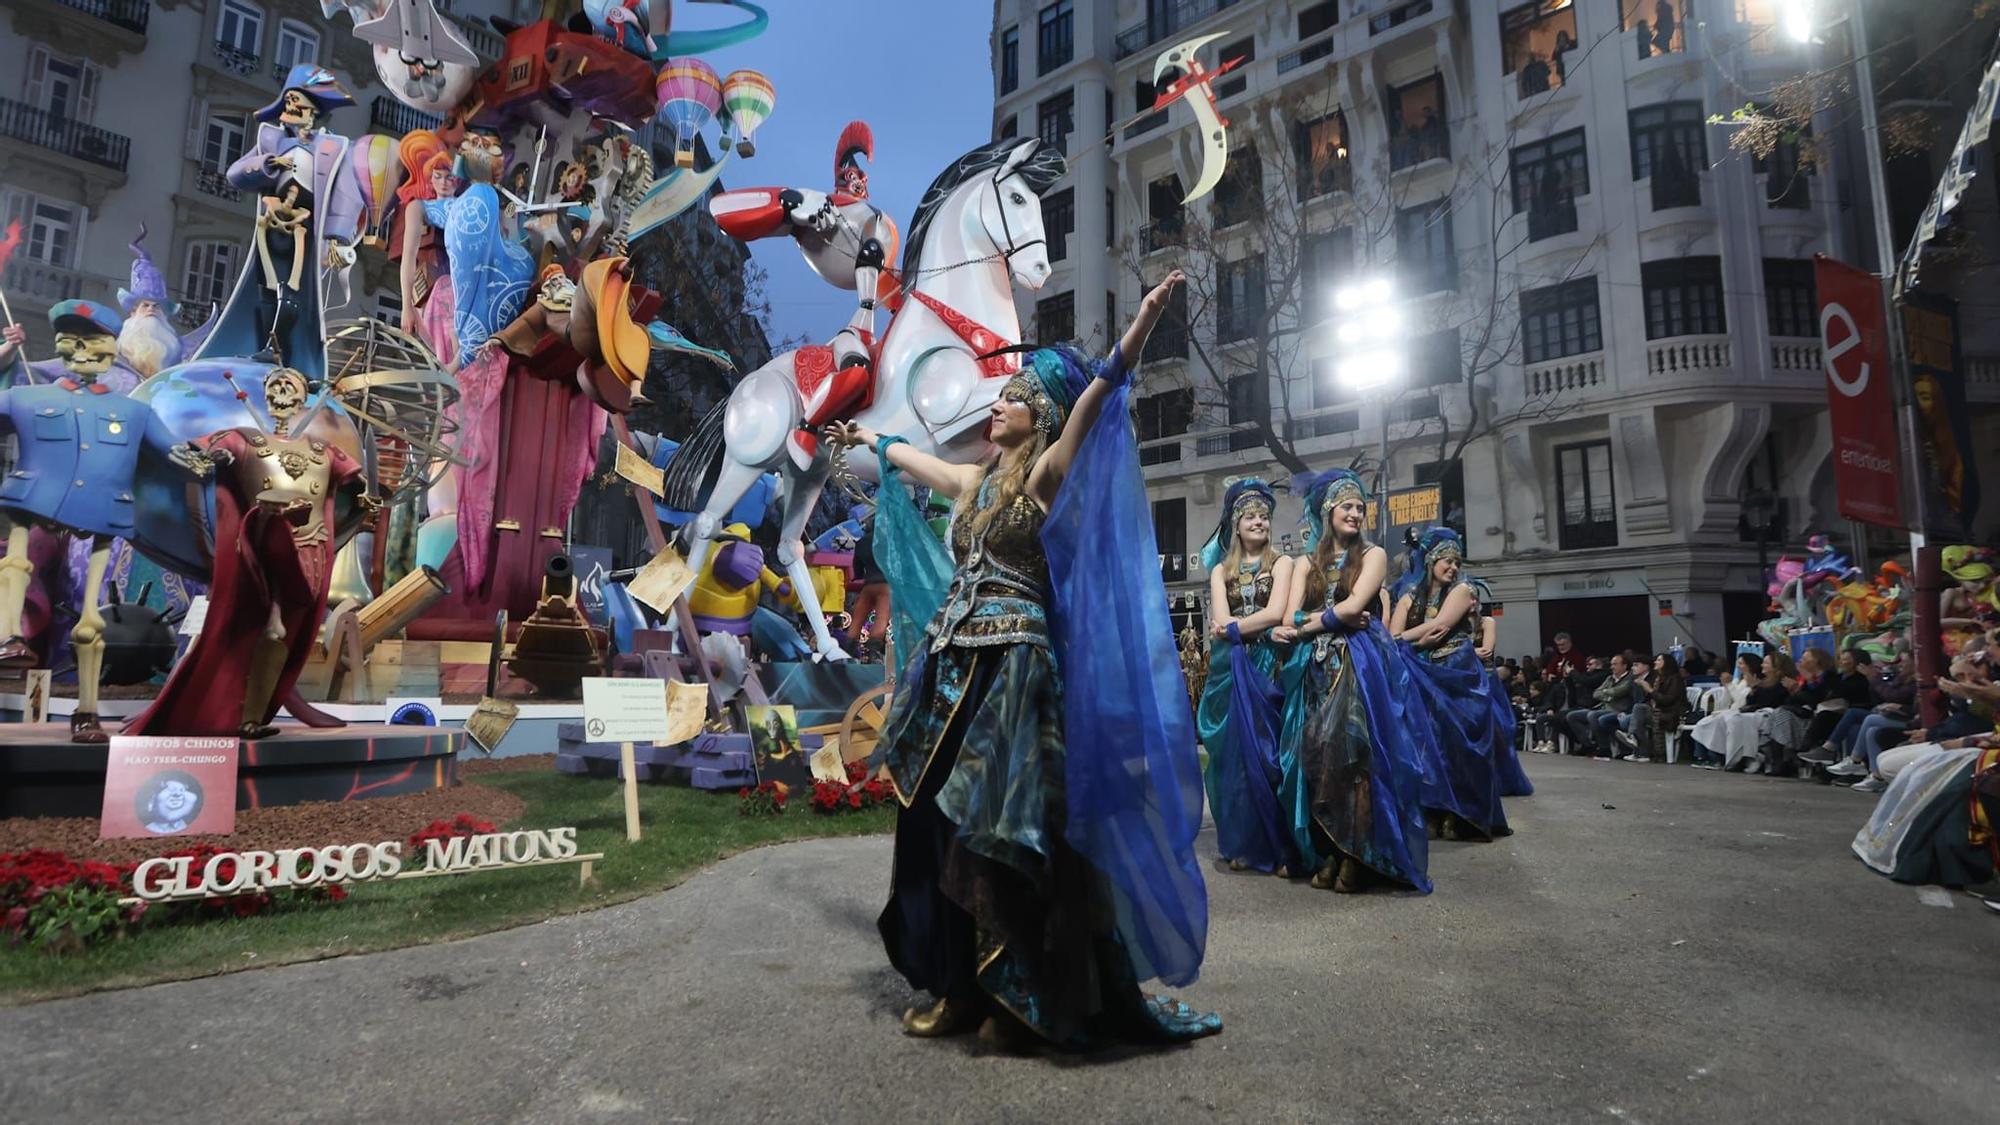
[1249, 588]
[1437, 621]
[1040, 742]
[1356, 741]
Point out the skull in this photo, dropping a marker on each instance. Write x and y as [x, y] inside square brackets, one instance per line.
[297, 110]
[284, 394]
[87, 356]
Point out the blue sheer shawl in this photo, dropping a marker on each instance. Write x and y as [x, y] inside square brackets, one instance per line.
[1133, 779]
[912, 559]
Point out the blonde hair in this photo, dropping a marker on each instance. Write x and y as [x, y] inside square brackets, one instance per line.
[1233, 560]
[1009, 475]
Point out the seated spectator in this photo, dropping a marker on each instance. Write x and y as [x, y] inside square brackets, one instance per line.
[1810, 706]
[1563, 660]
[1731, 738]
[1863, 734]
[1658, 714]
[1695, 665]
[1921, 830]
[1613, 698]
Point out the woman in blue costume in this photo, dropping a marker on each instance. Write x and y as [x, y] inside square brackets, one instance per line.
[1040, 741]
[1438, 623]
[1238, 718]
[1356, 740]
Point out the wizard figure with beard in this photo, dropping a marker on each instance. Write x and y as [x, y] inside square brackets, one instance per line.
[148, 342]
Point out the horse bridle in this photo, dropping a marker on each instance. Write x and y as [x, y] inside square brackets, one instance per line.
[1006, 228]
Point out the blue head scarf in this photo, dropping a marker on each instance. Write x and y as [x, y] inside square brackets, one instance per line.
[1050, 382]
[1434, 544]
[1322, 491]
[1239, 496]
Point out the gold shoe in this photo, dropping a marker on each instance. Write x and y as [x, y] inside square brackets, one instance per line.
[946, 1017]
[1450, 831]
[1325, 877]
[1283, 872]
[1238, 865]
[1350, 878]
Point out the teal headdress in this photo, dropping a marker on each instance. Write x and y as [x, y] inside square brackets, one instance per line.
[1425, 550]
[1241, 496]
[1322, 491]
[1050, 381]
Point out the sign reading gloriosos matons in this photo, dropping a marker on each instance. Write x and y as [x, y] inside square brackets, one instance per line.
[165, 878]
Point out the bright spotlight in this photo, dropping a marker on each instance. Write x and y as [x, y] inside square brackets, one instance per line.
[1797, 17]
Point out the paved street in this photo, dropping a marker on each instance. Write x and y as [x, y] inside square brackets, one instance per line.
[1707, 950]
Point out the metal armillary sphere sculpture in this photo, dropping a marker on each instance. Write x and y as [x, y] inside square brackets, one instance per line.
[399, 396]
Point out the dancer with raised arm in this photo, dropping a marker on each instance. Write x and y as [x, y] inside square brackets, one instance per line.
[1040, 741]
[1357, 743]
[1249, 588]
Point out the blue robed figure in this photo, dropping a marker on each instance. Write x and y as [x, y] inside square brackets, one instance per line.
[1438, 626]
[1241, 702]
[1357, 747]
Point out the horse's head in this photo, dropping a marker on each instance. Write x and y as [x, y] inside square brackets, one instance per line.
[1010, 211]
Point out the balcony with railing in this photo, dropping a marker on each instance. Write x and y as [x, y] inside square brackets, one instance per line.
[244, 64]
[1675, 189]
[1982, 378]
[1306, 54]
[1690, 356]
[485, 42]
[395, 118]
[1145, 124]
[1569, 375]
[27, 280]
[210, 181]
[1799, 354]
[194, 309]
[1169, 19]
[1397, 15]
[132, 15]
[67, 136]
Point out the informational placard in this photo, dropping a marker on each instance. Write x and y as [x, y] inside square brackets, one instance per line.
[687, 707]
[661, 580]
[35, 708]
[169, 787]
[640, 471]
[197, 614]
[619, 710]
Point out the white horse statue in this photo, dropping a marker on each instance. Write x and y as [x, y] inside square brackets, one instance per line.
[977, 233]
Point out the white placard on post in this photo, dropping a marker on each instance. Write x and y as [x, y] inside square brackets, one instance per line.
[197, 614]
[619, 710]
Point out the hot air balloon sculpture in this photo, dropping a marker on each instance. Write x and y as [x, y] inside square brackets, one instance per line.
[747, 99]
[689, 95]
[377, 172]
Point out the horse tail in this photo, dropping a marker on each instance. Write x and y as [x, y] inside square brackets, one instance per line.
[692, 472]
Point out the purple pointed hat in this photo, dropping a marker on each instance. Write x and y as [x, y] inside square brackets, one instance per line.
[147, 284]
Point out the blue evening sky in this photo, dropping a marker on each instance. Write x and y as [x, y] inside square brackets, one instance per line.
[918, 71]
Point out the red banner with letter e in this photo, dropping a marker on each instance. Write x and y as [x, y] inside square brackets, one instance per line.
[1854, 343]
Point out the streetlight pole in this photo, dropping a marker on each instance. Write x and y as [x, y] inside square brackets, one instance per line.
[1369, 327]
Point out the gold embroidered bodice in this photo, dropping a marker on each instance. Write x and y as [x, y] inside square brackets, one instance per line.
[1465, 631]
[999, 591]
[1249, 589]
[1013, 540]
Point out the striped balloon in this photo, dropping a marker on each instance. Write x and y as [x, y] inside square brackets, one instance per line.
[689, 95]
[377, 172]
[748, 98]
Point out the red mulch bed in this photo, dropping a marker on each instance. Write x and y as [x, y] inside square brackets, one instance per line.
[294, 826]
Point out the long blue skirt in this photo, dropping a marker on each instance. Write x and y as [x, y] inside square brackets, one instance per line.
[1239, 716]
[1357, 751]
[1474, 723]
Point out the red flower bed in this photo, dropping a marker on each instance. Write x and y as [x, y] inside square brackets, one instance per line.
[766, 798]
[464, 824]
[858, 792]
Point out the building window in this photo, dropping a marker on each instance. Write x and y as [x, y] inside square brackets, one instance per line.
[1239, 195]
[1110, 218]
[1169, 338]
[1239, 298]
[1010, 59]
[1055, 318]
[1054, 119]
[211, 268]
[1424, 249]
[1238, 80]
[1170, 538]
[1417, 130]
[1560, 320]
[1791, 303]
[240, 27]
[1110, 319]
[1583, 488]
[64, 88]
[1162, 416]
[1400, 14]
[1165, 212]
[1657, 26]
[222, 142]
[51, 230]
[1246, 402]
[1059, 222]
[1010, 127]
[1327, 258]
[1785, 172]
[1547, 177]
[1536, 41]
[389, 306]
[1321, 149]
[1683, 297]
[1668, 145]
[1315, 18]
[297, 44]
[1055, 40]
[1326, 394]
[1143, 97]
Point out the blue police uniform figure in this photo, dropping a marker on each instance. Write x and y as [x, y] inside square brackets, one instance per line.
[79, 449]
